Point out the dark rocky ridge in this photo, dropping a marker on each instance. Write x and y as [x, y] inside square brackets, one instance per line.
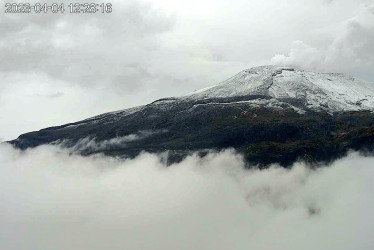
[263, 135]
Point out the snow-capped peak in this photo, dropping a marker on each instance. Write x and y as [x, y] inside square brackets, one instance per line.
[318, 91]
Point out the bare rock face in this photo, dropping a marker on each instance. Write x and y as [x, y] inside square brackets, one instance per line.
[269, 114]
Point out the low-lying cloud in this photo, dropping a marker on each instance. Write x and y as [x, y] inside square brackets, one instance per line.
[93, 144]
[51, 199]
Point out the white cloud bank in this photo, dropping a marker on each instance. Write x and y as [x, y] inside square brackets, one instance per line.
[50, 200]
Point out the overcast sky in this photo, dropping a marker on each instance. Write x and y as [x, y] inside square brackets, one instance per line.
[59, 68]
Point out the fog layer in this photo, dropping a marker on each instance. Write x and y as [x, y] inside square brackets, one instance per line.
[53, 200]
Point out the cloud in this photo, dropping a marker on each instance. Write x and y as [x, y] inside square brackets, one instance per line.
[301, 55]
[51, 199]
[92, 144]
[81, 48]
[51, 95]
[345, 47]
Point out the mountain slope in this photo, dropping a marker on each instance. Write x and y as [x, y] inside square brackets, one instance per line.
[270, 114]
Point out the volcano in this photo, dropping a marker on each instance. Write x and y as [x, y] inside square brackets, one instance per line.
[269, 114]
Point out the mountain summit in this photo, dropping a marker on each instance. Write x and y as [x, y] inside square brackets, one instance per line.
[309, 90]
[269, 114]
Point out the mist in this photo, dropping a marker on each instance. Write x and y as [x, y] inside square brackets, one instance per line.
[52, 199]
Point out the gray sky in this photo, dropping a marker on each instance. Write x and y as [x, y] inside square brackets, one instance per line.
[59, 68]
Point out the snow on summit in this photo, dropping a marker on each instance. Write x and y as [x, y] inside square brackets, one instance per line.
[317, 91]
[274, 87]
